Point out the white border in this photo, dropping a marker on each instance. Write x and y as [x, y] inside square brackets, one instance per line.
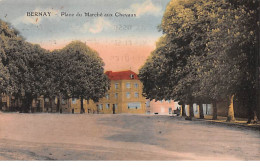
[129, 163]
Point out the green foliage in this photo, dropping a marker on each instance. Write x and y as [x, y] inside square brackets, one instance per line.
[208, 51]
[25, 64]
[4, 77]
[230, 64]
[27, 71]
[7, 33]
[156, 89]
[79, 72]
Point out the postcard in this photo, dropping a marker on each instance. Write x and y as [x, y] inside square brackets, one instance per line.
[119, 80]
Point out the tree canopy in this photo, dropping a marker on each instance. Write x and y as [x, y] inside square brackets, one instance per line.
[80, 72]
[209, 51]
[28, 71]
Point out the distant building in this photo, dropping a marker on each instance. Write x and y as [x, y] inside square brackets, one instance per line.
[161, 107]
[125, 94]
[41, 104]
[207, 109]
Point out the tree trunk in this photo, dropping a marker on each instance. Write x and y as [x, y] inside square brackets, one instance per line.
[183, 113]
[250, 112]
[252, 115]
[23, 110]
[231, 113]
[27, 103]
[1, 103]
[201, 111]
[58, 107]
[88, 106]
[82, 110]
[43, 105]
[215, 111]
[51, 104]
[20, 104]
[97, 108]
[252, 107]
[191, 110]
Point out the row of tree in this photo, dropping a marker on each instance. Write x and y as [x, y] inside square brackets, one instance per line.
[208, 53]
[28, 71]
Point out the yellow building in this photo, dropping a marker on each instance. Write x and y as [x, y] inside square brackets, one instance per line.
[72, 105]
[125, 94]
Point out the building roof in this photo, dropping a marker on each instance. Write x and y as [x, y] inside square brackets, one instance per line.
[122, 75]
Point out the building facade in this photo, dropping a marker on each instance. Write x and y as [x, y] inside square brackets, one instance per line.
[41, 104]
[124, 94]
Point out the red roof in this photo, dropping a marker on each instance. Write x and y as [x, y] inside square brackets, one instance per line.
[122, 75]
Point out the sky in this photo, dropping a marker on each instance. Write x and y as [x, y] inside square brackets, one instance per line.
[122, 42]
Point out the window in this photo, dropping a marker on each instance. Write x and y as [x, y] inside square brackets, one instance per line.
[132, 76]
[74, 100]
[116, 85]
[128, 85]
[136, 95]
[147, 103]
[169, 101]
[127, 95]
[136, 85]
[116, 95]
[100, 106]
[107, 105]
[115, 106]
[107, 96]
[134, 105]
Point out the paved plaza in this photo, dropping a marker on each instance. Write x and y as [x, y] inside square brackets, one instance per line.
[122, 137]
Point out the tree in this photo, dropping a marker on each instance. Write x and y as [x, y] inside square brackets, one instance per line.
[210, 48]
[27, 75]
[155, 69]
[28, 71]
[184, 28]
[21, 66]
[4, 78]
[7, 32]
[80, 73]
[231, 50]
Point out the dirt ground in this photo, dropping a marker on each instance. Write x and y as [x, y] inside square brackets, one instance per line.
[122, 137]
